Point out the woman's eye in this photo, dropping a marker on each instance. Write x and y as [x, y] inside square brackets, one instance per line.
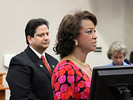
[47, 34]
[90, 31]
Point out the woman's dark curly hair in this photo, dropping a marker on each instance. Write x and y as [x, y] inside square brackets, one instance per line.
[69, 30]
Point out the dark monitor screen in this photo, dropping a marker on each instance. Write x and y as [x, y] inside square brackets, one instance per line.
[112, 83]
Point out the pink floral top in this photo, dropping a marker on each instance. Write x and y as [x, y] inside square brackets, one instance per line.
[69, 82]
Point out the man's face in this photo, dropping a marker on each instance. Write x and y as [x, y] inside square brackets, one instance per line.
[41, 40]
[117, 58]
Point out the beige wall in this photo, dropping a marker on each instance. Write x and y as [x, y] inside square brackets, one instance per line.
[114, 23]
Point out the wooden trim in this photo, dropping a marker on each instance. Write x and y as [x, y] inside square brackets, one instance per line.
[2, 88]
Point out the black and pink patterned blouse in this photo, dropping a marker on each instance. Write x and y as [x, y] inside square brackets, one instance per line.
[69, 82]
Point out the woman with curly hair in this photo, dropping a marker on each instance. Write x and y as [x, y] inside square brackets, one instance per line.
[76, 37]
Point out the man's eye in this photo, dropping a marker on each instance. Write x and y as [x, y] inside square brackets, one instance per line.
[94, 31]
[40, 35]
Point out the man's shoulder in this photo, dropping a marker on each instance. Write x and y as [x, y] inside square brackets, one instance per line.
[26, 53]
[22, 57]
[18, 57]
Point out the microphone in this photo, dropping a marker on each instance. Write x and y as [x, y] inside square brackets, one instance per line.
[127, 61]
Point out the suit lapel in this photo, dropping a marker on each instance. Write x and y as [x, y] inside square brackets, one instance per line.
[41, 65]
[50, 61]
[37, 61]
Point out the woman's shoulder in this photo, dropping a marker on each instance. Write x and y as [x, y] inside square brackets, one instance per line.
[65, 63]
[64, 66]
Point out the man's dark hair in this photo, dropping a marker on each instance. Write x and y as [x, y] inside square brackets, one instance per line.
[32, 26]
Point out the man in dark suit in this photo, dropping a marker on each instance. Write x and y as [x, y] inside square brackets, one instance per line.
[28, 77]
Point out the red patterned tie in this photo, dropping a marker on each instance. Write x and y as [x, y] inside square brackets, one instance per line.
[46, 64]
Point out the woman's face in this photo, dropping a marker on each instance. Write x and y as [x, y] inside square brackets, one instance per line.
[87, 38]
[117, 58]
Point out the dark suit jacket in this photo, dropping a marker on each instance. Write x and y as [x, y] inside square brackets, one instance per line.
[28, 78]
